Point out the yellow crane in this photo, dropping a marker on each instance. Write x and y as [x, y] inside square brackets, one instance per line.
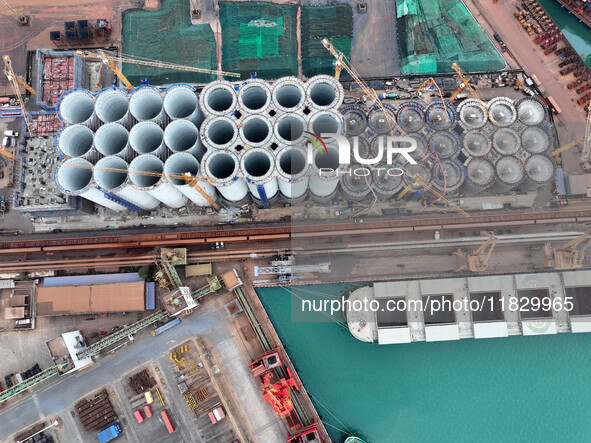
[428, 187]
[21, 81]
[406, 189]
[566, 147]
[192, 181]
[570, 255]
[460, 88]
[110, 62]
[477, 260]
[23, 20]
[12, 79]
[466, 81]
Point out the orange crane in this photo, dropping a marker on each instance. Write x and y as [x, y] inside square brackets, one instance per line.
[477, 260]
[461, 87]
[13, 81]
[192, 181]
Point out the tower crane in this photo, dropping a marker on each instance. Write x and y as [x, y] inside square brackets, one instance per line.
[23, 20]
[461, 87]
[570, 255]
[192, 181]
[12, 79]
[466, 81]
[477, 260]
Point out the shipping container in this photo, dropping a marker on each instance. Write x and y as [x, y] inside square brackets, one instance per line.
[147, 411]
[138, 416]
[110, 433]
[166, 326]
[554, 105]
[167, 422]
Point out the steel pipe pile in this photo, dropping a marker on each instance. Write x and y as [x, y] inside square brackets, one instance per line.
[324, 177]
[410, 116]
[355, 119]
[501, 111]
[540, 170]
[387, 181]
[535, 140]
[289, 129]
[449, 176]
[510, 174]
[382, 119]
[531, 111]
[256, 131]
[219, 133]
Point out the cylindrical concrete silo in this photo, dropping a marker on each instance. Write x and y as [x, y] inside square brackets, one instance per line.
[110, 173]
[501, 111]
[177, 166]
[355, 182]
[324, 177]
[145, 104]
[441, 115]
[361, 147]
[292, 173]
[540, 170]
[223, 167]
[257, 166]
[75, 141]
[254, 97]
[475, 143]
[219, 133]
[387, 181]
[180, 101]
[289, 129]
[288, 95]
[324, 92]
[472, 114]
[506, 141]
[411, 116]
[76, 107]
[531, 111]
[510, 174]
[147, 138]
[256, 131]
[112, 139]
[381, 119]
[183, 136]
[535, 140]
[156, 185]
[218, 98]
[112, 105]
[480, 175]
[445, 143]
[74, 177]
[449, 176]
[355, 119]
[325, 122]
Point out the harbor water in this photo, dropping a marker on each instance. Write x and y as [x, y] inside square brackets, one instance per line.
[508, 389]
[577, 33]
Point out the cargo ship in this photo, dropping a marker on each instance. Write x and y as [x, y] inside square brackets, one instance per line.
[580, 9]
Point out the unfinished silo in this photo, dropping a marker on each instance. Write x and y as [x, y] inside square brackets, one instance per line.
[111, 174]
[223, 167]
[219, 133]
[540, 170]
[147, 138]
[449, 176]
[180, 101]
[324, 92]
[510, 174]
[480, 175]
[74, 177]
[445, 143]
[145, 104]
[531, 111]
[472, 114]
[256, 131]
[441, 115]
[76, 107]
[75, 141]
[112, 139]
[288, 95]
[325, 122]
[147, 174]
[387, 181]
[361, 148]
[382, 119]
[355, 182]
[501, 111]
[475, 143]
[112, 105]
[292, 173]
[218, 98]
[506, 141]
[289, 129]
[183, 136]
[355, 119]
[177, 166]
[324, 177]
[535, 140]
[254, 97]
[257, 166]
[411, 116]
[417, 175]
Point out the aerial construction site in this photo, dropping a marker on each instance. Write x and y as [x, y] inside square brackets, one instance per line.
[166, 165]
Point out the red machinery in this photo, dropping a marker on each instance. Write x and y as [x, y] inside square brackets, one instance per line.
[310, 434]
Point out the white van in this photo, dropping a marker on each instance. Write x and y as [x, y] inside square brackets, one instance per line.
[11, 133]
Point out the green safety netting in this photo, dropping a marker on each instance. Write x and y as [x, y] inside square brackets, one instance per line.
[318, 22]
[436, 33]
[259, 37]
[167, 35]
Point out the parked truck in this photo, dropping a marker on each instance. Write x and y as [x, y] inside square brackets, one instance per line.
[111, 433]
[166, 326]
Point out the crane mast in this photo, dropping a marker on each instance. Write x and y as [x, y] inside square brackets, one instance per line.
[13, 81]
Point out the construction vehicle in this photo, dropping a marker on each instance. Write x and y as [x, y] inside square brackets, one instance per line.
[23, 20]
[13, 81]
[192, 181]
[110, 433]
[477, 260]
[570, 255]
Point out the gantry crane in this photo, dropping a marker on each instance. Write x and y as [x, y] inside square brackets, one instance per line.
[570, 255]
[477, 260]
[23, 20]
[12, 78]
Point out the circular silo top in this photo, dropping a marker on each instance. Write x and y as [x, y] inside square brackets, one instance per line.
[531, 111]
[510, 170]
[476, 143]
[540, 168]
[506, 141]
[535, 140]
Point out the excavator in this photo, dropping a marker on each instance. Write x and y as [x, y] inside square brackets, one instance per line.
[477, 260]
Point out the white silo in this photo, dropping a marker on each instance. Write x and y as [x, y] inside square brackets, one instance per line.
[147, 174]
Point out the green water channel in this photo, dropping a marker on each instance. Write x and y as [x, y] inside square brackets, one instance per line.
[508, 389]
